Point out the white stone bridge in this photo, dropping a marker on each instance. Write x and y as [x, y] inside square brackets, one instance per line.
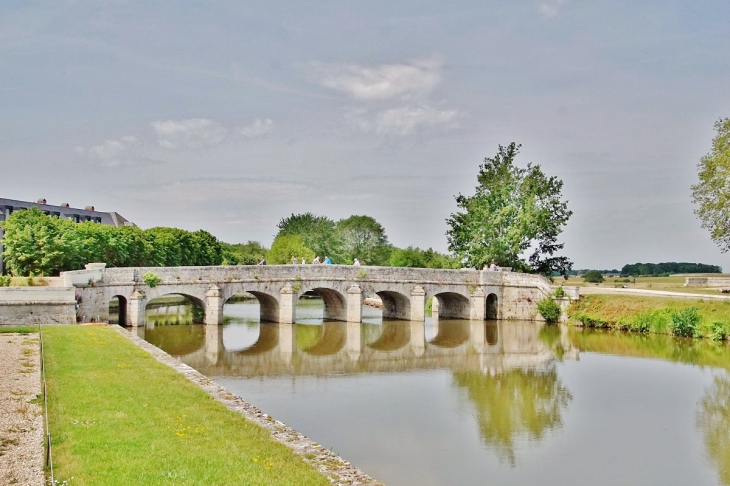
[457, 294]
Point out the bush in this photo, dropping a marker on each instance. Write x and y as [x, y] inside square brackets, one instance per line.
[549, 309]
[151, 279]
[685, 321]
[559, 293]
[718, 331]
[5, 280]
[593, 276]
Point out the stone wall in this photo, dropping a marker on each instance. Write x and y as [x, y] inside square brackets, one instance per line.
[37, 305]
[707, 282]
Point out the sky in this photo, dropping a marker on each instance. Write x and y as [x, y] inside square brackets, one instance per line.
[229, 116]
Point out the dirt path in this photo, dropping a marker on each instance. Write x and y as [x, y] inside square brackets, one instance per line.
[651, 293]
[21, 422]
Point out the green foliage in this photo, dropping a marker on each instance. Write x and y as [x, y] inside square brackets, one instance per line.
[5, 280]
[417, 258]
[243, 253]
[668, 268]
[713, 421]
[593, 276]
[151, 279]
[685, 322]
[318, 233]
[549, 309]
[287, 245]
[36, 244]
[559, 292]
[363, 238]
[712, 192]
[513, 210]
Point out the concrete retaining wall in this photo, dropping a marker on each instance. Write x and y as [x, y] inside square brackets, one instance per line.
[707, 282]
[33, 305]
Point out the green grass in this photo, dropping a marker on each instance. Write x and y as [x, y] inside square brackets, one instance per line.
[119, 417]
[661, 315]
[18, 329]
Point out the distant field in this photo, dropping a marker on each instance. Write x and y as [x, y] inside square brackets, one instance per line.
[674, 283]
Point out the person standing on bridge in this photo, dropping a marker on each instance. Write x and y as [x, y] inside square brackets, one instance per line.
[327, 260]
[294, 260]
[304, 261]
[316, 260]
[263, 261]
[356, 263]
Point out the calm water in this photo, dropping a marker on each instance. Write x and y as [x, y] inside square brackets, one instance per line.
[462, 403]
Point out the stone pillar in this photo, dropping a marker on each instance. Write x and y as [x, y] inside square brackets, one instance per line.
[136, 308]
[418, 304]
[287, 305]
[435, 307]
[354, 304]
[478, 305]
[286, 341]
[213, 306]
[353, 340]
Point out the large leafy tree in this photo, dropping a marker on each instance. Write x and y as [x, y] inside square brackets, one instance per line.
[514, 211]
[286, 246]
[415, 257]
[319, 233]
[712, 192]
[363, 238]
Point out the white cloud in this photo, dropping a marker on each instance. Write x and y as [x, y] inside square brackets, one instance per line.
[408, 120]
[191, 133]
[380, 82]
[114, 153]
[256, 129]
[551, 8]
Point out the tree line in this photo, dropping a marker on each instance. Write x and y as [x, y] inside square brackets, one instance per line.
[667, 268]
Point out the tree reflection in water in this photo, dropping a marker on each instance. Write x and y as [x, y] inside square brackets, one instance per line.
[713, 420]
[515, 405]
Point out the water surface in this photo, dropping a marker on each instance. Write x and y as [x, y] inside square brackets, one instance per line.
[454, 402]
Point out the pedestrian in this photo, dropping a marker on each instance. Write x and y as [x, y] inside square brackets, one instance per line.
[493, 267]
[263, 261]
[304, 261]
[327, 260]
[356, 263]
[316, 260]
[294, 260]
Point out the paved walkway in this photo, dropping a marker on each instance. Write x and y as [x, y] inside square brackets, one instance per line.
[21, 422]
[651, 293]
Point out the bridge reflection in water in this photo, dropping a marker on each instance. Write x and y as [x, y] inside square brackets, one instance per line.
[251, 349]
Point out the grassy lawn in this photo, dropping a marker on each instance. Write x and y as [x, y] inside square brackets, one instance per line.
[18, 329]
[119, 417]
[662, 315]
[675, 283]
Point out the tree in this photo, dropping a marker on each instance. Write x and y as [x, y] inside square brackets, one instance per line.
[363, 238]
[417, 258]
[593, 276]
[319, 233]
[513, 210]
[712, 192]
[34, 243]
[286, 246]
[243, 253]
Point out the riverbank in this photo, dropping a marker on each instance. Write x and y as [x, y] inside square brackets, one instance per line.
[119, 416]
[690, 317]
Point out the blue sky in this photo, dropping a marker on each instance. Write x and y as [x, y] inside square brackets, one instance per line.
[229, 116]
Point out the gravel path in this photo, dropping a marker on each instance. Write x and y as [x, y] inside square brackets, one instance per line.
[650, 293]
[21, 422]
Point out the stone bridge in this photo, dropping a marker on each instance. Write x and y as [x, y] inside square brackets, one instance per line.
[457, 294]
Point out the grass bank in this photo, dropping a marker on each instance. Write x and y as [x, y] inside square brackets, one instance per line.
[680, 317]
[119, 417]
[18, 329]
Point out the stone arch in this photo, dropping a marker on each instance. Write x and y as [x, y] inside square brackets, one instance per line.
[121, 312]
[492, 312]
[393, 336]
[333, 339]
[268, 304]
[198, 312]
[453, 306]
[395, 305]
[335, 303]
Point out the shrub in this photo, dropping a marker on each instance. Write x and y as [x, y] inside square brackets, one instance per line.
[549, 309]
[718, 331]
[559, 292]
[5, 280]
[685, 321]
[593, 276]
[151, 279]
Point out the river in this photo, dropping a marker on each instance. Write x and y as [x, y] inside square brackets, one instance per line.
[466, 403]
